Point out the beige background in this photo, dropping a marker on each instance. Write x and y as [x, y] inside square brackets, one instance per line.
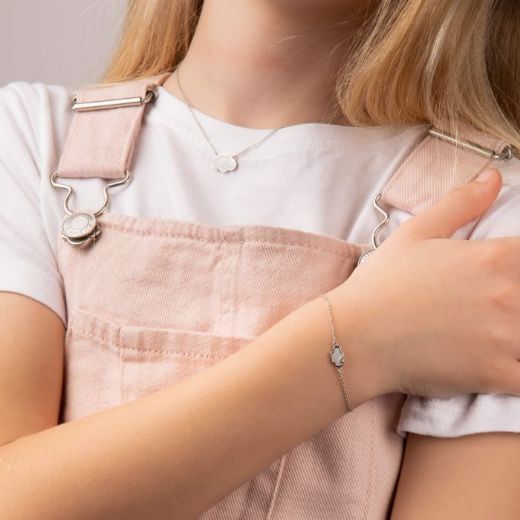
[57, 41]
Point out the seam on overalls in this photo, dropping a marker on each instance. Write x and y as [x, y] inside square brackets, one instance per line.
[239, 263]
[370, 470]
[72, 329]
[168, 353]
[111, 343]
[218, 271]
[348, 253]
[276, 487]
[122, 388]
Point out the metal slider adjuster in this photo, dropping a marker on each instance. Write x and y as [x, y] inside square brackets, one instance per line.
[103, 104]
[80, 228]
[503, 155]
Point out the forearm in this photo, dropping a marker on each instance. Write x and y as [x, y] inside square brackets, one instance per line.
[179, 450]
[474, 476]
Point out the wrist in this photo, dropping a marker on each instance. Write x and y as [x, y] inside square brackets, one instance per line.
[365, 374]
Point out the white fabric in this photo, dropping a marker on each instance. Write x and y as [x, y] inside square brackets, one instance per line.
[313, 177]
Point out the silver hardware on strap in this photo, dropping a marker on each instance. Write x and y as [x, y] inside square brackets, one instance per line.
[80, 228]
[377, 229]
[103, 104]
[503, 155]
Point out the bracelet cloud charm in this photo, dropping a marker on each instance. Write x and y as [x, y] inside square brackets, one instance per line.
[336, 354]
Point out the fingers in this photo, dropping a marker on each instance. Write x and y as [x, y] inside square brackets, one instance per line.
[458, 207]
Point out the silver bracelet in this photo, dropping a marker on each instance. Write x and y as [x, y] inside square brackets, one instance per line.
[337, 356]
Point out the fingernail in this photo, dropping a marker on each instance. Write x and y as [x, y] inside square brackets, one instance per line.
[485, 176]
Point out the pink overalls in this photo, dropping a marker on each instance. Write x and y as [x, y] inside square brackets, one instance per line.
[151, 301]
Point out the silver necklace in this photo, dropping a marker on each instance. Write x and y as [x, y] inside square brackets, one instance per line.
[225, 163]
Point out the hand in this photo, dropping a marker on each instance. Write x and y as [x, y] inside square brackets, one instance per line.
[431, 315]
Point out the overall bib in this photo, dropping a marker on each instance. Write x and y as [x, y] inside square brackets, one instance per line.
[151, 301]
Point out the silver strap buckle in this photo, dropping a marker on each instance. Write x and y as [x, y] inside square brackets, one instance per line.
[104, 104]
[503, 155]
[80, 228]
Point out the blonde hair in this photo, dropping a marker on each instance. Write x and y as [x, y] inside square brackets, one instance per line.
[442, 62]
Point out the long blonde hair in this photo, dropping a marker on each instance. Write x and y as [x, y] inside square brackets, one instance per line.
[443, 62]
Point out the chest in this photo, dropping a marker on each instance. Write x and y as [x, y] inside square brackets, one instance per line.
[154, 300]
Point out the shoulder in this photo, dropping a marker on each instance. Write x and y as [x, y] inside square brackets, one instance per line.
[502, 218]
[23, 99]
[34, 118]
[510, 170]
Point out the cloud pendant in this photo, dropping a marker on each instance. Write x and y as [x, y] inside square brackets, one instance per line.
[224, 163]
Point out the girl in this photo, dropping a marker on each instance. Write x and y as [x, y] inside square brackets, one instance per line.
[199, 377]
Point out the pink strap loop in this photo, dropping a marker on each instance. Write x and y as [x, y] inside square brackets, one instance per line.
[101, 143]
[435, 167]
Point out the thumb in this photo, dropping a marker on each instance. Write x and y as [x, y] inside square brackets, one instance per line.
[458, 207]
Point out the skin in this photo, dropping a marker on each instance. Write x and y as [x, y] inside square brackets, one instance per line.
[474, 476]
[265, 385]
[269, 63]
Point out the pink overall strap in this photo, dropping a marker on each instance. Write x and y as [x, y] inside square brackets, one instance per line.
[104, 128]
[436, 166]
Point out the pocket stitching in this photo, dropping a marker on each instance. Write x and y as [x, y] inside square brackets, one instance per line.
[122, 331]
[169, 353]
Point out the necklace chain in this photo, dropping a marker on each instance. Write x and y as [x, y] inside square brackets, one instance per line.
[232, 157]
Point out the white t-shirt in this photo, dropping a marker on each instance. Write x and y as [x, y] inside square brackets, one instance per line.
[319, 178]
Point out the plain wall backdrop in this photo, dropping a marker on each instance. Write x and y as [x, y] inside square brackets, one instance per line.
[57, 41]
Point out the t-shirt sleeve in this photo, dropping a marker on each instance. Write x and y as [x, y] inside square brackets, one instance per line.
[27, 259]
[474, 413]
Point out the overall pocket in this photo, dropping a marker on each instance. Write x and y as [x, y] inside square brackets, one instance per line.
[154, 358]
[92, 365]
[109, 363]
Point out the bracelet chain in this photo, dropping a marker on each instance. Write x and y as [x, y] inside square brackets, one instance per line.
[336, 354]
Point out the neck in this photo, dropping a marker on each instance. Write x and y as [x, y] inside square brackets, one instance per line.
[265, 63]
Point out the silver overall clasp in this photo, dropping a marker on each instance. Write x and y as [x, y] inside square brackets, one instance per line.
[374, 241]
[80, 228]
